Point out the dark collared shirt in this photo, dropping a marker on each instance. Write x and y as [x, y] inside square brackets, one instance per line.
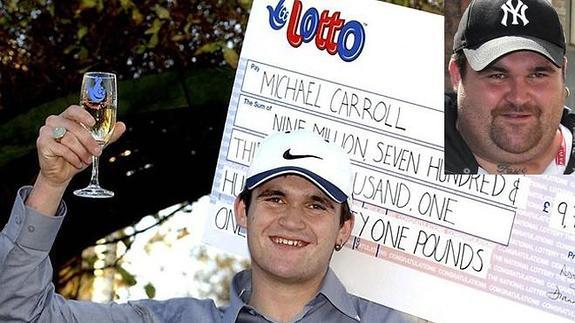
[27, 293]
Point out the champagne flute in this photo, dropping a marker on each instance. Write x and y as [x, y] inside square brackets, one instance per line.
[99, 97]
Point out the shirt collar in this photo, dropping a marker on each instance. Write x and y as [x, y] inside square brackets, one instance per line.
[337, 295]
[240, 291]
[332, 289]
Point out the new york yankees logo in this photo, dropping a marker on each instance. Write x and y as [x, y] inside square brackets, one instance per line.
[509, 9]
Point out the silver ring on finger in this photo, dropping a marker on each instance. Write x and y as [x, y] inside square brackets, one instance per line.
[58, 133]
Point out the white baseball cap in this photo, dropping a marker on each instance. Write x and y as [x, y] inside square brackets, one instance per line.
[306, 154]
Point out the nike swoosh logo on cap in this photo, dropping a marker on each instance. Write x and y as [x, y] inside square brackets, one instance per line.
[287, 155]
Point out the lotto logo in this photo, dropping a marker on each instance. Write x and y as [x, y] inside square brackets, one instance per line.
[330, 32]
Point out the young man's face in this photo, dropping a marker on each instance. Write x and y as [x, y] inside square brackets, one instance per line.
[510, 111]
[292, 229]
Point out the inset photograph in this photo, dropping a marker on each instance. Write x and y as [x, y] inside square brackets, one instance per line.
[507, 87]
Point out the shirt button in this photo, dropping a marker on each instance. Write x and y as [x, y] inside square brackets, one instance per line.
[31, 228]
[18, 220]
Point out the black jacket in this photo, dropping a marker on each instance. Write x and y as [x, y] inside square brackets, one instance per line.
[458, 157]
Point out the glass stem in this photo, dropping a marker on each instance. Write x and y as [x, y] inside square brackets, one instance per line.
[94, 179]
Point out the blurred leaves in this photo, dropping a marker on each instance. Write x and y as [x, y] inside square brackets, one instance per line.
[182, 233]
[215, 280]
[211, 47]
[434, 6]
[162, 12]
[127, 277]
[87, 4]
[46, 45]
[102, 269]
[150, 290]
[230, 55]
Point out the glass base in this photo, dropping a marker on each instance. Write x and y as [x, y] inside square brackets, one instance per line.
[94, 191]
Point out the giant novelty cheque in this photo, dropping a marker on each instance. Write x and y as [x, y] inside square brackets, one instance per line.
[368, 76]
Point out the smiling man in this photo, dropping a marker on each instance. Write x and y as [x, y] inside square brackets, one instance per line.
[295, 207]
[508, 72]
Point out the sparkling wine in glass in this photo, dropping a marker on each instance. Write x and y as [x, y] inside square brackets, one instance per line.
[99, 97]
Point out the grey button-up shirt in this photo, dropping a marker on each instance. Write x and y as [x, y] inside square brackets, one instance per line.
[27, 293]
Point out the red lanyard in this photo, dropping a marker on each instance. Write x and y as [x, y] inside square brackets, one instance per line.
[561, 157]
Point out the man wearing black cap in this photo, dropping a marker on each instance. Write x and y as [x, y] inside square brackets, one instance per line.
[508, 71]
[295, 207]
